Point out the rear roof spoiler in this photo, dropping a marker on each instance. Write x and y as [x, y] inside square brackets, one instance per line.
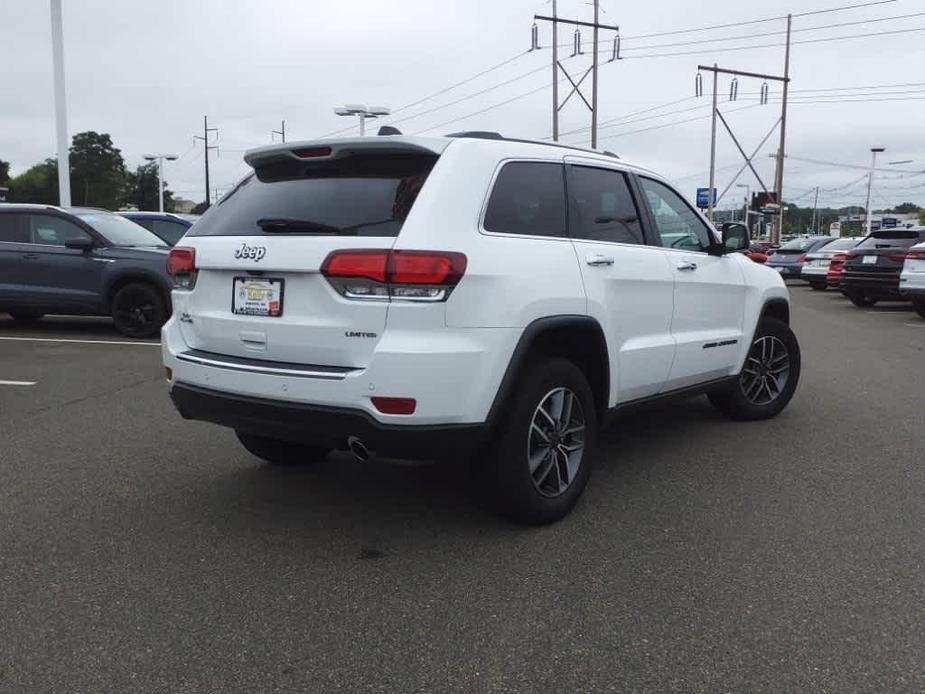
[324, 150]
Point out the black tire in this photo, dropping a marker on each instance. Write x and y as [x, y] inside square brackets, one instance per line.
[818, 286]
[739, 400]
[278, 452]
[859, 298]
[505, 476]
[918, 303]
[25, 316]
[138, 310]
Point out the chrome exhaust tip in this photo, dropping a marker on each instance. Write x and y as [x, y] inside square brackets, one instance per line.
[358, 449]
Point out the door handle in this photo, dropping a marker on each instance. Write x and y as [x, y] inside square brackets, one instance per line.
[31, 256]
[600, 260]
[687, 265]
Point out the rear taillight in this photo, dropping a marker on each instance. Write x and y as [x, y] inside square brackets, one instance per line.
[181, 265]
[916, 254]
[802, 259]
[403, 275]
[899, 257]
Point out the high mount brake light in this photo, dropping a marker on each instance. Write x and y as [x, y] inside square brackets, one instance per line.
[310, 152]
[408, 275]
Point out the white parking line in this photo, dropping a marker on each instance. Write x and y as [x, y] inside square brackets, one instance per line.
[18, 383]
[80, 342]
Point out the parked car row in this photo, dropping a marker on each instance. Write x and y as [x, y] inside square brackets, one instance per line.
[889, 264]
[87, 261]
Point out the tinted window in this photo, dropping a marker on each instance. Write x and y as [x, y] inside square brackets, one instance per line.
[606, 211]
[53, 231]
[171, 232]
[801, 245]
[890, 240]
[528, 198]
[143, 222]
[13, 228]
[357, 195]
[677, 224]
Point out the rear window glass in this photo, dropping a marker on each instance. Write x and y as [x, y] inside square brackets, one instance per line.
[528, 198]
[358, 195]
[890, 240]
[799, 245]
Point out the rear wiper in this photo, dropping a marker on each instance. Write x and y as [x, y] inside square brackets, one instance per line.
[272, 224]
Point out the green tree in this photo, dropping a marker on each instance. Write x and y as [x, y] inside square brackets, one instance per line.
[97, 171]
[922, 217]
[200, 208]
[906, 208]
[38, 184]
[141, 189]
[4, 172]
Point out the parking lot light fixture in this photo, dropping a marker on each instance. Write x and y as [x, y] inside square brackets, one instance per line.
[362, 113]
[159, 158]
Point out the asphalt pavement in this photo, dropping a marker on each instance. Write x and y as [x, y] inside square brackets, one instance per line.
[143, 553]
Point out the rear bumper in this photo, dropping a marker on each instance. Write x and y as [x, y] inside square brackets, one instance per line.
[912, 283]
[325, 426]
[881, 284]
[792, 271]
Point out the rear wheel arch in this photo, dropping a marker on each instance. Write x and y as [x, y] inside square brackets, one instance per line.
[580, 339]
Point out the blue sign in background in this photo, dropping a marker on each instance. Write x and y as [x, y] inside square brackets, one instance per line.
[702, 197]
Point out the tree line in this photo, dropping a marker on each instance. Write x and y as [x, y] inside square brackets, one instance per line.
[99, 178]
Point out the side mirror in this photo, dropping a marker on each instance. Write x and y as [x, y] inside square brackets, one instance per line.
[735, 237]
[83, 244]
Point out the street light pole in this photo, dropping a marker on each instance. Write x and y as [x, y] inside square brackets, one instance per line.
[870, 180]
[57, 59]
[362, 113]
[745, 207]
[159, 158]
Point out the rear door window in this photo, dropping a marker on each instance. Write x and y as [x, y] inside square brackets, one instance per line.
[13, 228]
[356, 195]
[528, 198]
[605, 207]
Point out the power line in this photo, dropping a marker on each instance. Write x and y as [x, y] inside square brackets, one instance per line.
[668, 125]
[774, 45]
[756, 21]
[629, 115]
[775, 33]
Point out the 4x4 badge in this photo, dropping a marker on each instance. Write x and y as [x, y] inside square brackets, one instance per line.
[250, 252]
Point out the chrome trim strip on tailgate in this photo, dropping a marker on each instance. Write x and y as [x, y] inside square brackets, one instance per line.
[273, 368]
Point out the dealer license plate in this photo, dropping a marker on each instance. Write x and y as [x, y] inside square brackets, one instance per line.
[869, 260]
[257, 296]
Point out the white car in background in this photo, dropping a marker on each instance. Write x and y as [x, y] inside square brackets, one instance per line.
[912, 279]
[816, 264]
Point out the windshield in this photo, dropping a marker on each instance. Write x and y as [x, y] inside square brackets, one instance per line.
[358, 195]
[119, 231]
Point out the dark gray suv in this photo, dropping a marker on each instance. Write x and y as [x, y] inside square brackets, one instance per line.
[82, 261]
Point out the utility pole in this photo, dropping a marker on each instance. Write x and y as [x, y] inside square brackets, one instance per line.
[594, 80]
[870, 182]
[710, 201]
[555, 73]
[815, 204]
[57, 61]
[206, 147]
[781, 151]
[159, 158]
[576, 84]
[281, 132]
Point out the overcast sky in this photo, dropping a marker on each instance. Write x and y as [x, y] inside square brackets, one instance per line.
[146, 72]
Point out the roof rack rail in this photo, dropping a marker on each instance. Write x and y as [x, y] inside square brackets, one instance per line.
[491, 135]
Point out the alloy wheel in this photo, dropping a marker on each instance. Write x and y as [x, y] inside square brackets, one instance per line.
[766, 371]
[556, 441]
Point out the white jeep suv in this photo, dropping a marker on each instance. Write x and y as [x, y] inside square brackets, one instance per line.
[424, 297]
